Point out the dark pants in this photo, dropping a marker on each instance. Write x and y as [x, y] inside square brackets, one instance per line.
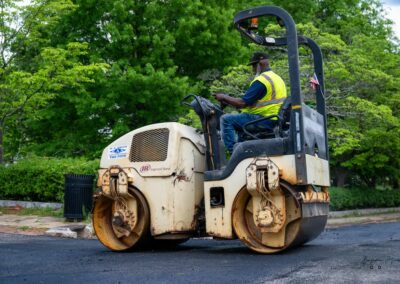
[232, 127]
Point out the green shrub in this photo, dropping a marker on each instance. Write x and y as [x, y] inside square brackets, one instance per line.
[358, 198]
[40, 179]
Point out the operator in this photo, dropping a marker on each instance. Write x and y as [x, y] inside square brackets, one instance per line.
[263, 98]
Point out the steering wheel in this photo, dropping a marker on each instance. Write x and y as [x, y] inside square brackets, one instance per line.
[222, 105]
[204, 104]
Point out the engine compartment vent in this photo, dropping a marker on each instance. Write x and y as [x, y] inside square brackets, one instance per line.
[150, 146]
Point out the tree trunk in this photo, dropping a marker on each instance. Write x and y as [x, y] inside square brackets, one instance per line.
[341, 176]
[370, 181]
[395, 183]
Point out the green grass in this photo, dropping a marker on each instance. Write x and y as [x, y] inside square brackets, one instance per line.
[24, 228]
[42, 212]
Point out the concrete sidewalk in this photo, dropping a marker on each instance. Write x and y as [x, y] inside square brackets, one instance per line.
[39, 225]
[367, 219]
[56, 226]
[14, 222]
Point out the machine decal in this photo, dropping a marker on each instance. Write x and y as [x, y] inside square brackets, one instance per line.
[145, 168]
[117, 152]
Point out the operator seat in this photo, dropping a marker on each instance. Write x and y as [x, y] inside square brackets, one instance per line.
[253, 130]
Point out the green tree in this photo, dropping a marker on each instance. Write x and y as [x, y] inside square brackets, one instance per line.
[346, 18]
[24, 88]
[156, 51]
[76, 74]
[362, 93]
[366, 144]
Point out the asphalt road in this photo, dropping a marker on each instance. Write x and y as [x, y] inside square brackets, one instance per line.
[363, 253]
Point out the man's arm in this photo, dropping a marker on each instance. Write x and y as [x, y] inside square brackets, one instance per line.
[236, 102]
[256, 92]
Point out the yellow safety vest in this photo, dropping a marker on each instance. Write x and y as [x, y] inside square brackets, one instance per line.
[274, 97]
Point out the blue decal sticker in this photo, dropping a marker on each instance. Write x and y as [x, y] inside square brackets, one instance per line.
[117, 152]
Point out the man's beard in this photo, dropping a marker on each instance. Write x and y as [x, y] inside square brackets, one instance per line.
[258, 71]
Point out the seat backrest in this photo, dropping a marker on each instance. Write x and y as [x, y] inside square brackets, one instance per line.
[284, 113]
[280, 130]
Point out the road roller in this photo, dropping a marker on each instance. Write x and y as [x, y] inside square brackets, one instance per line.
[165, 183]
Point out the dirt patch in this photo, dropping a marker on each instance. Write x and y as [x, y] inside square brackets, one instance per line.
[12, 209]
[22, 230]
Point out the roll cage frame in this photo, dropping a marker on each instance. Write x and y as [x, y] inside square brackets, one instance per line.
[292, 40]
[307, 131]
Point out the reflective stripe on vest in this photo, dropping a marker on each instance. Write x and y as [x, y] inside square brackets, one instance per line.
[270, 102]
[273, 95]
[273, 98]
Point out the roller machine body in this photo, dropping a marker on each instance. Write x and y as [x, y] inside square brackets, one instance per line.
[165, 183]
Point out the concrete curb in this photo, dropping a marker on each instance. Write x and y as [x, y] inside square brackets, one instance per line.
[72, 231]
[361, 220]
[64, 232]
[363, 212]
[335, 219]
[30, 204]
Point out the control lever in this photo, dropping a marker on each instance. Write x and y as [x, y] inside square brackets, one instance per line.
[222, 105]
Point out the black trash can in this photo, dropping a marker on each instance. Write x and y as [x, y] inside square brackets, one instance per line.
[78, 192]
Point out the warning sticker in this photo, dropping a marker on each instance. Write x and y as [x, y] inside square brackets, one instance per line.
[117, 152]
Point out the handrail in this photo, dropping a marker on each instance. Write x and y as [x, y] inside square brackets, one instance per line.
[291, 41]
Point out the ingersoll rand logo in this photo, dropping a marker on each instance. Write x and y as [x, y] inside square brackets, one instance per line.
[145, 168]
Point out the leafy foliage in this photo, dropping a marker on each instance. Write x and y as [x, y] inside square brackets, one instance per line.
[28, 85]
[41, 179]
[191, 119]
[76, 74]
[154, 50]
[362, 103]
[358, 198]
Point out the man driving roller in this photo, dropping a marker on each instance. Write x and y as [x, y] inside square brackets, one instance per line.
[263, 98]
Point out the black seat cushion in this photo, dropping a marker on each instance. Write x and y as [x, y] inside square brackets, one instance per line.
[261, 131]
[260, 127]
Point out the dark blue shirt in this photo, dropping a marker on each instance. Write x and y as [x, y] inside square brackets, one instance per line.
[255, 93]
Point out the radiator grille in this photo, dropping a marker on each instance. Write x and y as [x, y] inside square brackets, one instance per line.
[150, 146]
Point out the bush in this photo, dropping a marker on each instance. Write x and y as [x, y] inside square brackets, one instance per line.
[358, 198]
[40, 179]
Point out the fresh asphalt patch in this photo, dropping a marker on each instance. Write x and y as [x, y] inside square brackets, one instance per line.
[359, 253]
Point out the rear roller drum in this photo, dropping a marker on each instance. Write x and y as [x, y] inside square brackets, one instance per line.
[294, 229]
[122, 223]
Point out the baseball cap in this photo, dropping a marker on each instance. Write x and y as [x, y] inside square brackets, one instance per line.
[258, 56]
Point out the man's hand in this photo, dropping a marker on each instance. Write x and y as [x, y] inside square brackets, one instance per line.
[219, 97]
[226, 99]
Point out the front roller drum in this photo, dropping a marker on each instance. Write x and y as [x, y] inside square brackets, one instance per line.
[303, 223]
[122, 224]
